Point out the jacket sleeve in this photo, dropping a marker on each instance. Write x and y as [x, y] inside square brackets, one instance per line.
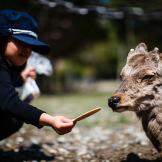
[16, 76]
[18, 80]
[11, 104]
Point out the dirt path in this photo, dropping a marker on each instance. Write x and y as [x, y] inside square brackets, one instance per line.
[124, 144]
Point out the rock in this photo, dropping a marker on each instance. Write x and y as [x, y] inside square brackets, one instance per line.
[63, 151]
[49, 149]
[19, 140]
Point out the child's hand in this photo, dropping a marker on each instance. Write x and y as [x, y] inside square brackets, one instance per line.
[29, 72]
[60, 124]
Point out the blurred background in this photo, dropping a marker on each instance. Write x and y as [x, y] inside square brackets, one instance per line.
[89, 41]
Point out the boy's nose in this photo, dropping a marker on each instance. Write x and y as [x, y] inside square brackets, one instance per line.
[113, 101]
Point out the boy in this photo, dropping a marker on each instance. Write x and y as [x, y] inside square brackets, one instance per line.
[17, 40]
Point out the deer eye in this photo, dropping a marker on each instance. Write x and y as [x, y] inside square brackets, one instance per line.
[148, 77]
[121, 77]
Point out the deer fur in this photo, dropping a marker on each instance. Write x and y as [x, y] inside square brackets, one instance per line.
[141, 90]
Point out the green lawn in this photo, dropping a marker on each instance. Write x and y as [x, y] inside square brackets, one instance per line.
[72, 105]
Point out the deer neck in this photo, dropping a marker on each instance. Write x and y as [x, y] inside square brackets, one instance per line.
[152, 118]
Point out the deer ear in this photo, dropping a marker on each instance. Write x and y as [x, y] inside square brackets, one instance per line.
[155, 54]
[156, 50]
[141, 48]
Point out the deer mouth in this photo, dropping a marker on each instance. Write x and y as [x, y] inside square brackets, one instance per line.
[121, 108]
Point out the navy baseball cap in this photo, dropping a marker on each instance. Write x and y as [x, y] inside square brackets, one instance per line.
[22, 27]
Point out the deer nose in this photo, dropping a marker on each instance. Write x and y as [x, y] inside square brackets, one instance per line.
[113, 101]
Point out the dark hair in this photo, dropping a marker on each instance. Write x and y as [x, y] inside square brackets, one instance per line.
[3, 44]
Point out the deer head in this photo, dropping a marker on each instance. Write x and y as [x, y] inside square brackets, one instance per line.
[141, 86]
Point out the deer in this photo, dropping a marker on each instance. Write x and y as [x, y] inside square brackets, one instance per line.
[140, 91]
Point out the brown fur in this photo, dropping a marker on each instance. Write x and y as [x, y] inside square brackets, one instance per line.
[136, 61]
[141, 90]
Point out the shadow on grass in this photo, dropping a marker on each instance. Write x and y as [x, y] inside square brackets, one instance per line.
[34, 152]
[135, 158]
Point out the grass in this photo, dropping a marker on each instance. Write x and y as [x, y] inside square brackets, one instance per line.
[73, 105]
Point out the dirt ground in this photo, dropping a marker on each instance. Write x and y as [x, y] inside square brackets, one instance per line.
[96, 144]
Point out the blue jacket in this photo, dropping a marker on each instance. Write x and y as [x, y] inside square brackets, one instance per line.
[9, 100]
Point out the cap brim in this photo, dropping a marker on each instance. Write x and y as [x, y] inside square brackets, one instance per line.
[36, 44]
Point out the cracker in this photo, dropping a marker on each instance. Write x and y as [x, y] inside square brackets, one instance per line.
[87, 114]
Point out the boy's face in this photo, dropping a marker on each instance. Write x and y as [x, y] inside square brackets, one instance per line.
[17, 52]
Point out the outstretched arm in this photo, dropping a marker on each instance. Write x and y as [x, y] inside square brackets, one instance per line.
[60, 124]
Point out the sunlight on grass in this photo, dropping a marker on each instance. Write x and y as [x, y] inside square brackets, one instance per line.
[73, 105]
